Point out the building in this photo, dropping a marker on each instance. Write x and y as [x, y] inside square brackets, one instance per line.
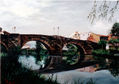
[97, 37]
[80, 35]
[75, 35]
[90, 36]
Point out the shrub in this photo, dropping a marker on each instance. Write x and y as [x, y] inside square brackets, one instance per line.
[101, 52]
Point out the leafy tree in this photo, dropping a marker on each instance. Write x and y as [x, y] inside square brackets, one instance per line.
[41, 51]
[102, 43]
[115, 32]
[38, 49]
[114, 43]
[115, 29]
[103, 10]
[42, 56]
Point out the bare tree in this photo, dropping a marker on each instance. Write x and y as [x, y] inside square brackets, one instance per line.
[103, 10]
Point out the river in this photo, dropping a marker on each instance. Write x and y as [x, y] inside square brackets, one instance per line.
[109, 75]
[98, 77]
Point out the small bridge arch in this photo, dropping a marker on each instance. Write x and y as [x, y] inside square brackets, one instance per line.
[41, 39]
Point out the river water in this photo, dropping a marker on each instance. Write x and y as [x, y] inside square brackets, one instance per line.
[98, 77]
[102, 73]
[109, 75]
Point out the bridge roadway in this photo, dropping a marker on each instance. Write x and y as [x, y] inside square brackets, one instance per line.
[54, 45]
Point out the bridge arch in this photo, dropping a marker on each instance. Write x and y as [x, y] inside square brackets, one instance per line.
[45, 43]
[44, 58]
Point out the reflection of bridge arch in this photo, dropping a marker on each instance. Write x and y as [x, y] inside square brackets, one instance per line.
[79, 48]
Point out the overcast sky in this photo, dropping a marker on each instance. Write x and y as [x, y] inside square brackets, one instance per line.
[45, 16]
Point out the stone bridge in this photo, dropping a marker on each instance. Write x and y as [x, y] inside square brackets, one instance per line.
[54, 43]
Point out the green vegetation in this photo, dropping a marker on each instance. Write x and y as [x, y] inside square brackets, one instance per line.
[104, 57]
[102, 44]
[42, 55]
[41, 51]
[115, 32]
[115, 29]
[115, 44]
[14, 73]
[106, 10]
[101, 52]
[99, 56]
[71, 55]
[114, 41]
[2, 54]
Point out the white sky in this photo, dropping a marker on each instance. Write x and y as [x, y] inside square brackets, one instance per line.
[44, 16]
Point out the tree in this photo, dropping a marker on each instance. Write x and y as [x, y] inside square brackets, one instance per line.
[41, 51]
[115, 43]
[115, 29]
[38, 49]
[102, 44]
[103, 10]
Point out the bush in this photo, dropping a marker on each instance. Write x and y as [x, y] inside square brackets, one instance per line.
[102, 43]
[115, 44]
[101, 52]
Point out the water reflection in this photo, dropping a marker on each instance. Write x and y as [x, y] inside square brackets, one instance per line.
[114, 67]
[88, 69]
[99, 77]
[34, 55]
[29, 62]
[105, 72]
[110, 64]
